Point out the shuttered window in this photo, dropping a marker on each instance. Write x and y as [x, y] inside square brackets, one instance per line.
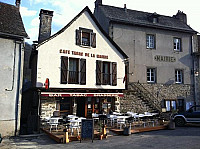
[106, 73]
[83, 71]
[114, 73]
[78, 37]
[93, 40]
[64, 67]
[73, 71]
[98, 72]
[85, 37]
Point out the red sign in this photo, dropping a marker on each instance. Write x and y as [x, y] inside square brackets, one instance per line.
[45, 94]
[46, 83]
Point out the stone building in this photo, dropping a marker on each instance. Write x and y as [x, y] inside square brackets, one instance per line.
[160, 49]
[79, 70]
[12, 34]
[196, 55]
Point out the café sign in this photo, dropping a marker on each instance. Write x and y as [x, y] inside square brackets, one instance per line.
[161, 58]
[46, 94]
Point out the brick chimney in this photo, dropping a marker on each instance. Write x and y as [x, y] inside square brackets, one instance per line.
[45, 25]
[17, 3]
[181, 16]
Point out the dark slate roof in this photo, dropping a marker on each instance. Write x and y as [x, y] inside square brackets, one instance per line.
[98, 25]
[11, 22]
[134, 17]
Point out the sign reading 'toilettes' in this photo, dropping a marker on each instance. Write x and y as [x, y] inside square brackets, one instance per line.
[160, 58]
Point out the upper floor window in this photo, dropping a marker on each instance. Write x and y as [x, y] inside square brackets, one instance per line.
[179, 76]
[73, 70]
[85, 37]
[150, 40]
[106, 73]
[151, 75]
[177, 44]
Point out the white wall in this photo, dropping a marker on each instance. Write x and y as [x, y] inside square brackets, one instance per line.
[9, 74]
[49, 57]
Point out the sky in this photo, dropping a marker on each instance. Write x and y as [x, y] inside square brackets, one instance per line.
[66, 10]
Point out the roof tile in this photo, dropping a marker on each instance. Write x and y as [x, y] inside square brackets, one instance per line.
[11, 21]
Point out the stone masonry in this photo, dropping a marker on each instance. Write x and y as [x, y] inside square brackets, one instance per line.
[131, 102]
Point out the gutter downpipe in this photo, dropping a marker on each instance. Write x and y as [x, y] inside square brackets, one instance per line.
[18, 91]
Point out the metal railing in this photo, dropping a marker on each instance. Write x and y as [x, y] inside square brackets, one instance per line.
[106, 78]
[73, 77]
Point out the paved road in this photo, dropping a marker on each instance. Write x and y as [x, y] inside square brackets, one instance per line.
[180, 138]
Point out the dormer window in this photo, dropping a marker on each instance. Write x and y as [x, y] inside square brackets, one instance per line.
[85, 37]
[154, 17]
[155, 20]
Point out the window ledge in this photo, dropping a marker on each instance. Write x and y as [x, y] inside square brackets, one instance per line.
[151, 48]
[83, 46]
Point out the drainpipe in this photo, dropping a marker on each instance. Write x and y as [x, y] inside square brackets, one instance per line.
[18, 90]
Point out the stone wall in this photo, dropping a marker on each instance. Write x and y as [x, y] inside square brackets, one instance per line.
[47, 108]
[131, 102]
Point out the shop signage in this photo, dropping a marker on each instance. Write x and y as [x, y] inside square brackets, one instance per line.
[45, 94]
[161, 58]
[83, 54]
[87, 129]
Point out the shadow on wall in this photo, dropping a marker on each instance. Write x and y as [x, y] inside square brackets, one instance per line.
[186, 60]
[169, 82]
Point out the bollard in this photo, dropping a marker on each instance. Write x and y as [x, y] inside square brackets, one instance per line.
[66, 136]
[104, 130]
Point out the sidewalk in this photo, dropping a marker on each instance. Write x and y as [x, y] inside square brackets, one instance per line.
[26, 141]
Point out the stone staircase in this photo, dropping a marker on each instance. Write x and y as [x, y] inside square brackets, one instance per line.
[140, 95]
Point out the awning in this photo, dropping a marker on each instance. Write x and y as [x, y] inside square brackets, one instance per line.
[59, 94]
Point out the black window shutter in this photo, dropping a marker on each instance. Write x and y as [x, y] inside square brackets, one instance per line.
[93, 40]
[83, 71]
[64, 68]
[78, 37]
[98, 72]
[114, 73]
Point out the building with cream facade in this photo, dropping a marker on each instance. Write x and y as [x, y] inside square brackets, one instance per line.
[79, 70]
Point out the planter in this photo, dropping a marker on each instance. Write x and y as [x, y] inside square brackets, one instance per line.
[171, 125]
[127, 131]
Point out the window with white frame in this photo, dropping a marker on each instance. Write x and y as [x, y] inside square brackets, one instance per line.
[150, 41]
[178, 76]
[151, 75]
[170, 105]
[177, 44]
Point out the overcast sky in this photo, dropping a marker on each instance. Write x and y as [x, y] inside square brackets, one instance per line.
[66, 10]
